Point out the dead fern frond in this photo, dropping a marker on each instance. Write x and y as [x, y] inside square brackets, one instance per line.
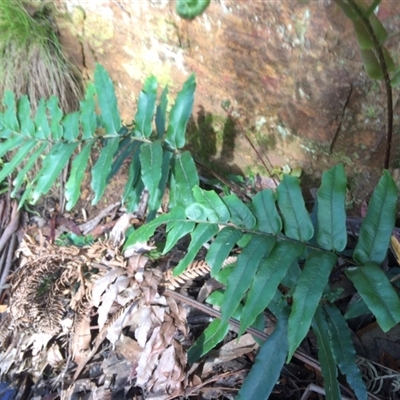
[196, 269]
[376, 375]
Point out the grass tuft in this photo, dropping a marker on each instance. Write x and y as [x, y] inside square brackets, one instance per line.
[31, 58]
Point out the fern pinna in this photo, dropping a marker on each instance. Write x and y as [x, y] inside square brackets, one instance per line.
[276, 235]
[281, 245]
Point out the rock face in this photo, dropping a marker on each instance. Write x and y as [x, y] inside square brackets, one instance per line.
[292, 72]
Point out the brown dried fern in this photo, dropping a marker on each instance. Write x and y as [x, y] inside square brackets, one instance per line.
[195, 270]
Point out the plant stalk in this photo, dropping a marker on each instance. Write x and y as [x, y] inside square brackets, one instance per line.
[386, 78]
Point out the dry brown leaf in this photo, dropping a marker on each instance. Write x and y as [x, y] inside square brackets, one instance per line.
[166, 334]
[138, 248]
[103, 283]
[396, 247]
[114, 330]
[136, 265]
[167, 378]
[144, 323]
[179, 315]
[230, 351]
[54, 356]
[79, 295]
[128, 348]
[128, 294]
[148, 360]
[117, 235]
[89, 225]
[81, 337]
[108, 298]
[150, 286]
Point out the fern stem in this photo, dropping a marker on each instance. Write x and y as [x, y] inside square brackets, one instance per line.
[386, 78]
[236, 324]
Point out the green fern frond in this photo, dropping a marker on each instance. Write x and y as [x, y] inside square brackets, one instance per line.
[155, 157]
[270, 249]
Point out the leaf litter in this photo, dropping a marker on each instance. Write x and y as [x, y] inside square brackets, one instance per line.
[92, 321]
[70, 306]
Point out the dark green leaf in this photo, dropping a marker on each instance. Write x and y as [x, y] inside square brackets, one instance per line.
[325, 356]
[212, 335]
[24, 117]
[221, 247]
[202, 234]
[357, 308]
[343, 350]
[371, 64]
[87, 113]
[377, 27]
[268, 219]
[126, 149]
[41, 122]
[27, 192]
[273, 268]
[151, 156]
[11, 144]
[102, 168]
[185, 176]
[10, 120]
[180, 113]
[55, 117]
[395, 81]
[332, 234]
[243, 274]
[190, 9]
[390, 65]
[134, 198]
[144, 233]
[279, 306]
[378, 293]
[17, 159]
[240, 213]
[216, 298]
[376, 229]
[29, 164]
[155, 201]
[307, 295]
[292, 277]
[73, 185]
[133, 176]
[363, 38]
[296, 221]
[244, 240]
[107, 101]
[71, 126]
[217, 211]
[197, 212]
[267, 366]
[177, 230]
[145, 108]
[161, 113]
[52, 166]
[367, 12]
[223, 275]
[347, 9]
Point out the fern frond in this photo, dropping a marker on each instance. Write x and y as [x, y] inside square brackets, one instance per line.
[54, 140]
[270, 251]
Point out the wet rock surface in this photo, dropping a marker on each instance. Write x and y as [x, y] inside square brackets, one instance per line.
[292, 72]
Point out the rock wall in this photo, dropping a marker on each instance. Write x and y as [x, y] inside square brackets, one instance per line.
[291, 70]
